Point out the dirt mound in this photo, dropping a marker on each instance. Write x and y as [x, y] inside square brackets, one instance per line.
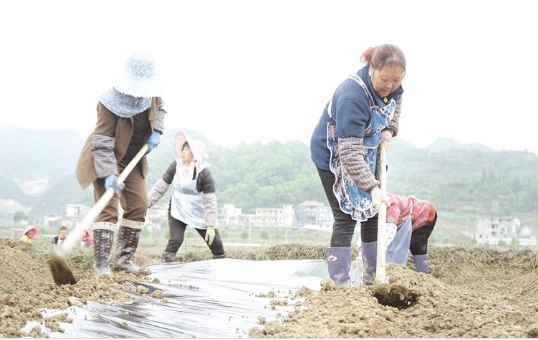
[480, 295]
[476, 292]
[28, 287]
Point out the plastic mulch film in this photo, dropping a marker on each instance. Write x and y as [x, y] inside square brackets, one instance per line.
[221, 298]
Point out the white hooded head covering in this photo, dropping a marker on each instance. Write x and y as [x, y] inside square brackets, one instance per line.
[199, 154]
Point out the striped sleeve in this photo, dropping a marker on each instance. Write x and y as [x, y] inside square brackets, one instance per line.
[352, 154]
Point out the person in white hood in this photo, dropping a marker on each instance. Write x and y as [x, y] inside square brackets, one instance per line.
[193, 201]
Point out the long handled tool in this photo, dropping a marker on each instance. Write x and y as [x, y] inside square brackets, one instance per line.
[61, 272]
[382, 218]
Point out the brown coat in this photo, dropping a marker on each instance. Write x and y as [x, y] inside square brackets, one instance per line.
[121, 129]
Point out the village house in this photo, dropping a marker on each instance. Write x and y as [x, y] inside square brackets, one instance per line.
[503, 230]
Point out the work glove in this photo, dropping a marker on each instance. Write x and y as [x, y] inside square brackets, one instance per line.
[153, 140]
[210, 234]
[386, 137]
[379, 196]
[111, 181]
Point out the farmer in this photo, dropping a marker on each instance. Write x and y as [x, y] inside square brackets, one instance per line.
[129, 115]
[60, 238]
[415, 220]
[364, 110]
[193, 201]
[29, 234]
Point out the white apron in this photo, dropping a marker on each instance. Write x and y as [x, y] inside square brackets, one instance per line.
[187, 203]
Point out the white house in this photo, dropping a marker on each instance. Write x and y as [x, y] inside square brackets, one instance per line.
[276, 217]
[503, 229]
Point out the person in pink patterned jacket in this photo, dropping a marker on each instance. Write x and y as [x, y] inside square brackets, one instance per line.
[423, 217]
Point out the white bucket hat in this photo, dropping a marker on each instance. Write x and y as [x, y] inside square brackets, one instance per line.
[197, 146]
[139, 77]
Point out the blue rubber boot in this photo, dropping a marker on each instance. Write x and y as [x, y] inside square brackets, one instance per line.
[369, 260]
[339, 264]
[421, 263]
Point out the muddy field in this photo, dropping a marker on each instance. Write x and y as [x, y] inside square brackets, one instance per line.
[472, 292]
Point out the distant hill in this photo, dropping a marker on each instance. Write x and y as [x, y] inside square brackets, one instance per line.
[32, 162]
[444, 144]
[30, 155]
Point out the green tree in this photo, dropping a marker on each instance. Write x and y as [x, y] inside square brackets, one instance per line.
[19, 216]
[264, 235]
[244, 235]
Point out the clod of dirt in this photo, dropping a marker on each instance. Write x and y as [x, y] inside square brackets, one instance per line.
[261, 319]
[144, 272]
[532, 331]
[73, 301]
[157, 294]
[394, 295]
[327, 284]
[36, 331]
[142, 289]
[303, 292]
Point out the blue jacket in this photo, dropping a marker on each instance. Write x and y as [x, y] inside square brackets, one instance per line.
[351, 108]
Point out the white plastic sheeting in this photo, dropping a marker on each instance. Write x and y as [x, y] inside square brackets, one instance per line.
[209, 299]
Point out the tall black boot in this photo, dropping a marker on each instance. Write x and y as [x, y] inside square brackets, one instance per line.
[102, 247]
[127, 244]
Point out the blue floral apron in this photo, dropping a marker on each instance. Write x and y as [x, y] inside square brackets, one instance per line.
[352, 200]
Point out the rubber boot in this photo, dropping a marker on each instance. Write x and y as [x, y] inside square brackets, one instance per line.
[168, 256]
[421, 263]
[339, 264]
[102, 247]
[127, 244]
[369, 259]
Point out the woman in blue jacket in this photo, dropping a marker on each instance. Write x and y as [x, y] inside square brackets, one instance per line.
[364, 110]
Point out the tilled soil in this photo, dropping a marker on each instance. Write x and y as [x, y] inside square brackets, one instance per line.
[440, 310]
[28, 287]
[470, 293]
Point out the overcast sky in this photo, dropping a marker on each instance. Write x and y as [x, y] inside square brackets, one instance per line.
[263, 70]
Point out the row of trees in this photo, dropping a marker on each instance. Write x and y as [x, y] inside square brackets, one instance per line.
[460, 179]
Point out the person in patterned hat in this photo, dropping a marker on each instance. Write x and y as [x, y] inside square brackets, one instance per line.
[129, 115]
